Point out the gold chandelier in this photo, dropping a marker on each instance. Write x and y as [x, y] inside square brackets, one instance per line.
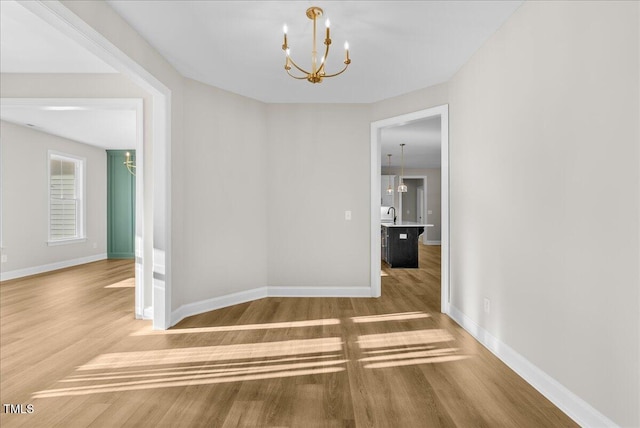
[317, 69]
[130, 164]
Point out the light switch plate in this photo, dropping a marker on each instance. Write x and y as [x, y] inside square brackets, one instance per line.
[347, 215]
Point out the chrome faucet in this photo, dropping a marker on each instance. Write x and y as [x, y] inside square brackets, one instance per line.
[394, 213]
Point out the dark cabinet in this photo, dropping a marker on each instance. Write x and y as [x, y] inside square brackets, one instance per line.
[400, 246]
[384, 253]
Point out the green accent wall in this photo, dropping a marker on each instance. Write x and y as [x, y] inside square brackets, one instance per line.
[121, 206]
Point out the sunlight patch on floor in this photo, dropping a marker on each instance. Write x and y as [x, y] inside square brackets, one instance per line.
[180, 373]
[391, 317]
[125, 283]
[110, 372]
[417, 361]
[202, 365]
[264, 326]
[209, 353]
[181, 381]
[199, 369]
[403, 338]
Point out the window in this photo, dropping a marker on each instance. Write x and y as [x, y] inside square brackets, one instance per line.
[66, 198]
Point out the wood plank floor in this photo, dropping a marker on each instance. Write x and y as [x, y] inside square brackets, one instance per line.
[71, 348]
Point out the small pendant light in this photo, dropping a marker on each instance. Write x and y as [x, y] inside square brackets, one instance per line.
[402, 188]
[390, 187]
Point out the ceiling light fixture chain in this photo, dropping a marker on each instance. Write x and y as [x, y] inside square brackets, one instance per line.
[317, 73]
[402, 188]
[390, 187]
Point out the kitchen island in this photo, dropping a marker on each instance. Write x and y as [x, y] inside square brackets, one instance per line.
[400, 243]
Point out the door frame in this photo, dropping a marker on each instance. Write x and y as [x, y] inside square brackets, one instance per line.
[376, 128]
[155, 254]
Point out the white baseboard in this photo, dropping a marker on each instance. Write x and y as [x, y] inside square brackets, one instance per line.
[217, 303]
[147, 313]
[434, 242]
[319, 291]
[34, 270]
[575, 407]
[259, 293]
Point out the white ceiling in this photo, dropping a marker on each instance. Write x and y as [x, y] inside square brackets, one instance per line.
[395, 46]
[29, 45]
[108, 123]
[422, 144]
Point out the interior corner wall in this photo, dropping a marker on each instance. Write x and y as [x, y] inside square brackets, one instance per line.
[421, 99]
[318, 168]
[545, 195]
[224, 193]
[25, 196]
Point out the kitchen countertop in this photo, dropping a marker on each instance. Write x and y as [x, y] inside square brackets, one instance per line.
[406, 224]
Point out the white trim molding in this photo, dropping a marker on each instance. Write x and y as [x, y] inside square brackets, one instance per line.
[319, 292]
[431, 242]
[34, 270]
[147, 313]
[575, 407]
[376, 130]
[203, 306]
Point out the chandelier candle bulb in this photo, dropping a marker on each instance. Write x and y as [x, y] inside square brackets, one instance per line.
[284, 46]
[328, 24]
[346, 53]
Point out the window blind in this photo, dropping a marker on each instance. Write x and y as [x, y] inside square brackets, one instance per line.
[64, 203]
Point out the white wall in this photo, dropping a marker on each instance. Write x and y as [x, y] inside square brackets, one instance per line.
[408, 103]
[318, 163]
[25, 198]
[224, 194]
[545, 195]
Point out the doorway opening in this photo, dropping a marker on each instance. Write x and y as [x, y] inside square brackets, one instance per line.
[153, 221]
[440, 114]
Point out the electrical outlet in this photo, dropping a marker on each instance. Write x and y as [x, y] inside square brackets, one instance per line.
[347, 215]
[4, 258]
[429, 212]
[487, 305]
[95, 245]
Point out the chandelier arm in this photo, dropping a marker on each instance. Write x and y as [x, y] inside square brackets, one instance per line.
[298, 67]
[326, 55]
[339, 72]
[296, 77]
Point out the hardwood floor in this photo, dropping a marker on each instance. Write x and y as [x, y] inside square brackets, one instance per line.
[71, 347]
